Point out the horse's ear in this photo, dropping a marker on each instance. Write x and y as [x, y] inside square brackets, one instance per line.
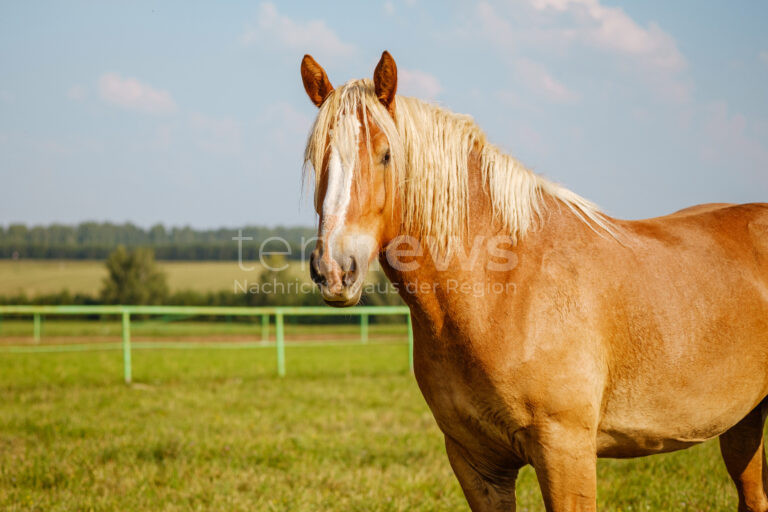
[315, 80]
[385, 80]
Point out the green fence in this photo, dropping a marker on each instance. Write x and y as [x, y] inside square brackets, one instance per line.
[266, 313]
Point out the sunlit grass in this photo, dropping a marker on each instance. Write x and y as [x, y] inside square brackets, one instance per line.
[347, 429]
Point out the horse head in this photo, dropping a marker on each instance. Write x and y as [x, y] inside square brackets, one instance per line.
[354, 150]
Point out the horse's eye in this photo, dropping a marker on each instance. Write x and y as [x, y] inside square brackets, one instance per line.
[385, 159]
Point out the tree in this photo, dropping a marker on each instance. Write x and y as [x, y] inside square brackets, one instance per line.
[133, 278]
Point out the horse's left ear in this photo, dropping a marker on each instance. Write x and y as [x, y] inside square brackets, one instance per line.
[385, 80]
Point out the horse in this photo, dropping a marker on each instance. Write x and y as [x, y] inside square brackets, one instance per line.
[546, 332]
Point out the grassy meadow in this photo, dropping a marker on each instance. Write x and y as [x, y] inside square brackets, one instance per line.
[207, 429]
[38, 277]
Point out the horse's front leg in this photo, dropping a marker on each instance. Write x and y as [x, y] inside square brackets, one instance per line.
[565, 461]
[485, 492]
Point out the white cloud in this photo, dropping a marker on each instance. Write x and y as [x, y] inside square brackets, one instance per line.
[303, 36]
[610, 28]
[536, 77]
[533, 74]
[557, 27]
[417, 83]
[763, 56]
[77, 93]
[131, 94]
[389, 8]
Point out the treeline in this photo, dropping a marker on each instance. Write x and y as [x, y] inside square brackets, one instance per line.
[94, 240]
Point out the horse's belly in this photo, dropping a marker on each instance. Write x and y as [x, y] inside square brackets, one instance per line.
[672, 390]
[628, 443]
[672, 421]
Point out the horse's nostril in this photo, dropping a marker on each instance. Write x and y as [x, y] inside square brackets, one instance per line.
[314, 270]
[350, 275]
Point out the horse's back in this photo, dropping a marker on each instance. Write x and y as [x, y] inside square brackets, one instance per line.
[729, 212]
[745, 226]
[738, 226]
[758, 232]
[702, 208]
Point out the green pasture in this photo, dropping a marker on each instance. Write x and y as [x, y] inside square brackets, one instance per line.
[39, 277]
[207, 429]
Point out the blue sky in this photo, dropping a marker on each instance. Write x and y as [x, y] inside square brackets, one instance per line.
[194, 113]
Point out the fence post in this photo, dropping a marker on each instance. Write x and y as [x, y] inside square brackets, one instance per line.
[127, 347]
[37, 331]
[280, 343]
[410, 343]
[364, 327]
[265, 328]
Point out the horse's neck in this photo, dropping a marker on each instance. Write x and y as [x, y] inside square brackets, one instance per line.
[458, 291]
[429, 272]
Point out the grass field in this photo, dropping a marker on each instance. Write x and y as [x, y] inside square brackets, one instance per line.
[214, 430]
[36, 277]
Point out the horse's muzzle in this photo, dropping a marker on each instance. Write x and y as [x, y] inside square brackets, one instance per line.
[340, 283]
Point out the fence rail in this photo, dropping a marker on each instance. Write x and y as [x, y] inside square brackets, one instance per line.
[266, 313]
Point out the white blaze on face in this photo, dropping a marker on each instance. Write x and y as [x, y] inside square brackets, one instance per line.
[340, 172]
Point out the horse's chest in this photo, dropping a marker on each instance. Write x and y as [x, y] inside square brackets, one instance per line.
[467, 406]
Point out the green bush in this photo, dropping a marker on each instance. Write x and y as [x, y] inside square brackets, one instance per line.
[133, 278]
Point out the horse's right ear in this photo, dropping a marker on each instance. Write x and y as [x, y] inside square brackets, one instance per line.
[315, 80]
[385, 81]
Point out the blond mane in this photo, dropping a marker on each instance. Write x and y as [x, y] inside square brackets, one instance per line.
[430, 151]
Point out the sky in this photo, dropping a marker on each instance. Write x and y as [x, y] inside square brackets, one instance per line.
[192, 113]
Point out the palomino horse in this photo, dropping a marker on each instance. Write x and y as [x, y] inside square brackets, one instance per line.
[546, 333]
